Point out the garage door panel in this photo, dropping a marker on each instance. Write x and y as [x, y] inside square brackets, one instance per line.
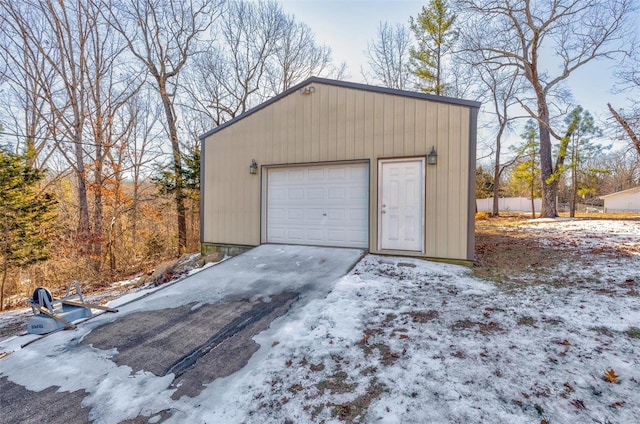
[295, 213]
[315, 236]
[295, 194]
[295, 233]
[336, 193]
[357, 193]
[358, 237]
[296, 175]
[323, 205]
[277, 194]
[336, 174]
[315, 193]
[336, 215]
[315, 214]
[278, 214]
[316, 175]
[278, 233]
[358, 215]
[336, 235]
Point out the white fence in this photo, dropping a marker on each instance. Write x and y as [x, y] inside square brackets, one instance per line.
[509, 204]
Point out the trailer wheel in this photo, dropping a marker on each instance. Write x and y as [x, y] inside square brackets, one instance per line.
[46, 295]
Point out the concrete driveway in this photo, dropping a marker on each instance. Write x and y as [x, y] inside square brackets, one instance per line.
[172, 342]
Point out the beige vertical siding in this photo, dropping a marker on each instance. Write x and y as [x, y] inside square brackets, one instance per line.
[338, 123]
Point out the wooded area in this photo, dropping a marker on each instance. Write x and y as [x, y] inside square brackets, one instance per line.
[110, 97]
[104, 100]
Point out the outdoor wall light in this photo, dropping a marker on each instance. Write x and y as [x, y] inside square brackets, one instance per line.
[432, 157]
[307, 90]
[253, 168]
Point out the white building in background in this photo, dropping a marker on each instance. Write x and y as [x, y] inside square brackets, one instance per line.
[509, 204]
[622, 201]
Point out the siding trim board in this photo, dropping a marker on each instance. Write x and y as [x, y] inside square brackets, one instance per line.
[471, 218]
[202, 190]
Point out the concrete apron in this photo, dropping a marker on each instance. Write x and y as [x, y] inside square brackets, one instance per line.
[197, 330]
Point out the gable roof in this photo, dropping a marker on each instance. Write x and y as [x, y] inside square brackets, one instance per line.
[618, 193]
[345, 84]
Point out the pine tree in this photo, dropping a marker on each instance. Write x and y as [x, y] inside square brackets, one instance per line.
[26, 216]
[435, 34]
[580, 149]
[527, 171]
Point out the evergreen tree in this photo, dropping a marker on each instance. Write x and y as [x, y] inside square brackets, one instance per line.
[435, 34]
[26, 216]
[579, 149]
[484, 183]
[527, 171]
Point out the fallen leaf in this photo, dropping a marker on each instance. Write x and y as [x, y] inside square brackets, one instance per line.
[404, 336]
[611, 377]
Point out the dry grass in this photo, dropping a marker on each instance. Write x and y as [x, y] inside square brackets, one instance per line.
[509, 255]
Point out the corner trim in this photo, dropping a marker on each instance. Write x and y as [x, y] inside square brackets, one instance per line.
[202, 180]
[471, 214]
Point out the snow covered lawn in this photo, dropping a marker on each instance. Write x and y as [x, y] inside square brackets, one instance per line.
[403, 340]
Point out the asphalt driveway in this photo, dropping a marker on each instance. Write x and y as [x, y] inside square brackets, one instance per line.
[176, 340]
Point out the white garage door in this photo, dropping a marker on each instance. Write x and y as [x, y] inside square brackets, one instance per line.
[319, 205]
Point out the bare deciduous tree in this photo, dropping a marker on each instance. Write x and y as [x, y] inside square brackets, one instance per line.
[630, 125]
[259, 51]
[522, 35]
[56, 38]
[163, 35]
[24, 69]
[297, 57]
[67, 57]
[501, 88]
[629, 77]
[388, 56]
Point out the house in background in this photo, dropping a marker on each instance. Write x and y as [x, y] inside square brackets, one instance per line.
[622, 201]
[333, 163]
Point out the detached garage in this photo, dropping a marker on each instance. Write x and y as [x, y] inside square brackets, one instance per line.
[332, 163]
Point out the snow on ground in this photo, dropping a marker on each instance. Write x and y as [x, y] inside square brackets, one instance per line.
[403, 340]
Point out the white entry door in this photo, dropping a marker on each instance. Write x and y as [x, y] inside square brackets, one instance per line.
[401, 204]
[322, 205]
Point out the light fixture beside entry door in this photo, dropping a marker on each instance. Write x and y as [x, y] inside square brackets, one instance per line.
[432, 157]
[253, 168]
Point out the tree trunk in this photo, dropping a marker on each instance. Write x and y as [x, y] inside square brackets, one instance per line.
[5, 262]
[549, 186]
[177, 167]
[496, 173]
[96, 239]
[574, 179]
[84, 228]
[533, 206]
